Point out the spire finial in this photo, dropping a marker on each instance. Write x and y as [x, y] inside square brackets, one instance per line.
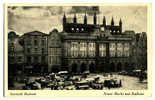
[95, 18]
[75, 18]
[104, 21]
[112, 21]
[120, 21]
[85, 19]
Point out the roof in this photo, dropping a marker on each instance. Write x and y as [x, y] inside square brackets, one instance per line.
[35, 33]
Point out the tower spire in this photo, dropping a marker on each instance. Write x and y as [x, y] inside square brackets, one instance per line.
[112, 21]
[85, 19]
[104, 21]
[120, 25]
[64, 22]
[75, 21]
[95, 18]
[64, 18]
[120, 22]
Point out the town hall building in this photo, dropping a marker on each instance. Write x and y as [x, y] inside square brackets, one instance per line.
[80, 47]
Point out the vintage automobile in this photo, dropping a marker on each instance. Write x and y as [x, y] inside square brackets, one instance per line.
[97, 83]
[82, 85]
[85, 74]
[112, 83]
[68, 83]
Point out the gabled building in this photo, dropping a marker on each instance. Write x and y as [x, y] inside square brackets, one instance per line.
[35, 51]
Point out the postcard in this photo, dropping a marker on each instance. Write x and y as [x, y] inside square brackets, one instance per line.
[78, 50]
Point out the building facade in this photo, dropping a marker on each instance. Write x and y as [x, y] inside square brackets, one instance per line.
[81, 47]
[35, 51]
[97, 48]
[15, 53]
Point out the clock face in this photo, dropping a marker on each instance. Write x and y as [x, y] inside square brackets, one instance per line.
[102, 29]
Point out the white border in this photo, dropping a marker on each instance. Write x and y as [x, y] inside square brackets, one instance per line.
[66, 1]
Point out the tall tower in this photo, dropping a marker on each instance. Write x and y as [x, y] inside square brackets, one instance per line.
[75, 20]
[64, 22]
[85, 19]
[112, 22]
[104, 21]
[120, 25]
[95, 18]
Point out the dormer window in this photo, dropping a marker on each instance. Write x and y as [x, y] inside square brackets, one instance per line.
[72, 29]
[82, 29]
[77, 29]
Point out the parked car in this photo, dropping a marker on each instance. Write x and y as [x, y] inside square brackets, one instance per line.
[82, 85]
[68, 83]
[112, 83]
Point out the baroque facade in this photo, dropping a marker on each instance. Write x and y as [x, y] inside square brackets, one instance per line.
[81, 47]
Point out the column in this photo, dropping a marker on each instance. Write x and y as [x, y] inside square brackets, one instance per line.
[116, 50]
[87, 49]
[70, 68]
[87, 67]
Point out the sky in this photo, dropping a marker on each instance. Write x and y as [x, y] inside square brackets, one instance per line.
[22, 19]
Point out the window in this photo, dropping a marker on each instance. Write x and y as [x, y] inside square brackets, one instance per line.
[83, 49]
[28, 59]
[112, 49]
[43, 42]
[43, 59]
[77, 29]
[126, 49]
[74, 49]
[28, 41]
[91, 49]
[102, 50]
[68, 49]
[119, 49]
[35, 42]
[82, 29]
[72, 29]
[19, 59]
[28, 50]
[36, 59]
[36, 50]
[43, 50]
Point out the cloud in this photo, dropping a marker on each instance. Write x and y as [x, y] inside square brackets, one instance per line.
[45, 18]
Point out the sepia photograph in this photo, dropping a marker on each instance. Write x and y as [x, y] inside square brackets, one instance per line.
[77, 47]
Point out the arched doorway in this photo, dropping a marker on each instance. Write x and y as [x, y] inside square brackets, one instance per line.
[119, 67]
[112, 67]
[126, 66]
[91, 68]
[83, 67]
[74, 68]
[132, 66]
[103, 67]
